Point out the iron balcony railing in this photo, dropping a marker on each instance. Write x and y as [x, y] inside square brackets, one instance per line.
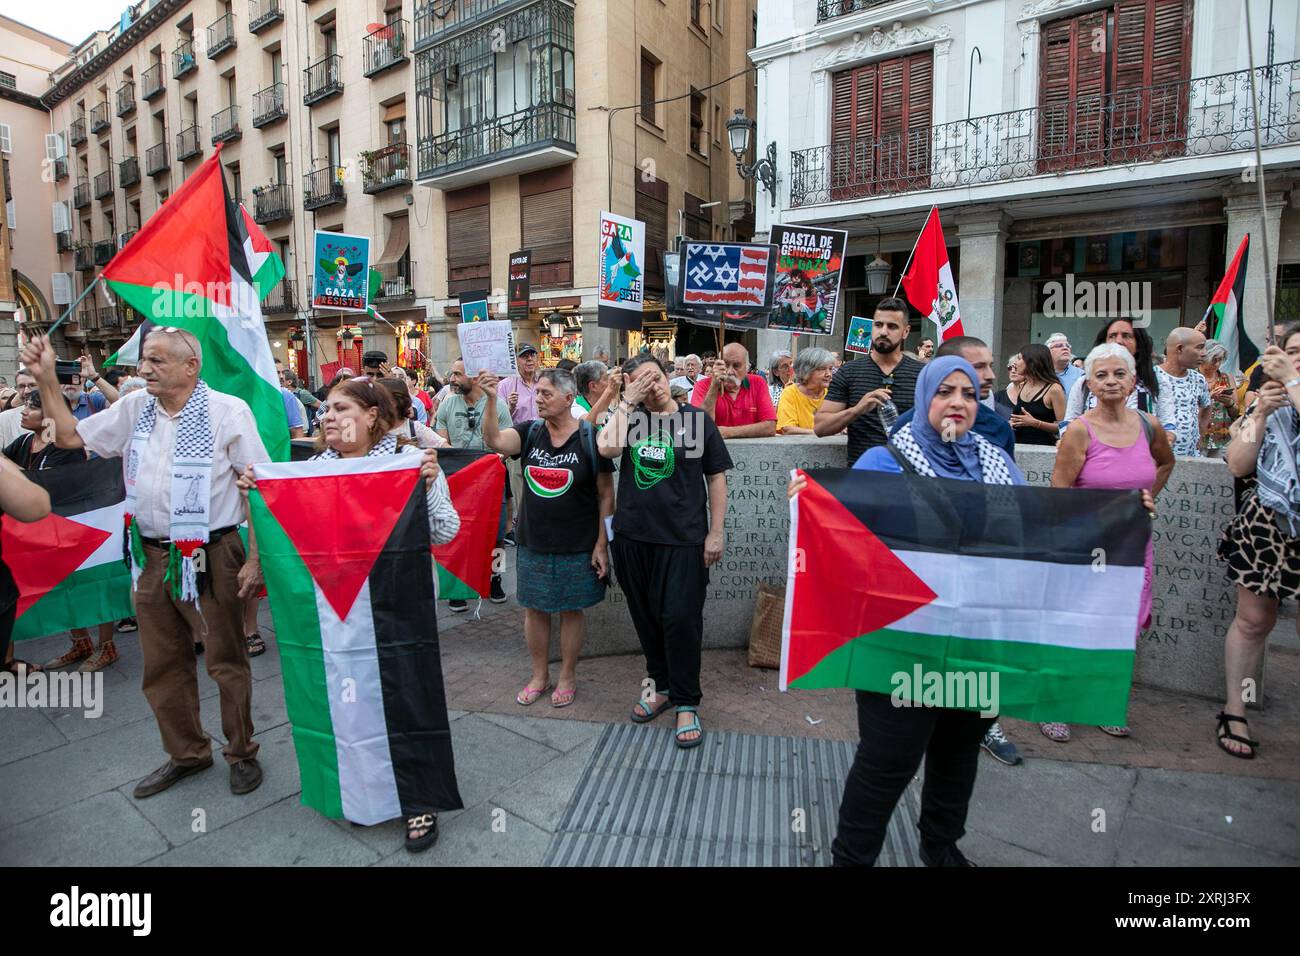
[324, 187]
[281, 298]
[88, 318]
[83, 256]
[385, 47]
[272, 203]
[99, 117]
[105, 249]
[60, 169]
[188, 143]
[225, 125]
[269, 105]
[436, 20]
[151, 81]
[1197, 117]
[125, 237]
[221, 35]
[63, 242]
[77, 131]
[396, 281]
[386, 168]
[104, 184]
[126, 99]
[183, 59]
[81, 194]
[262, 13]
[323, 79]
[830, 9]
[128, 172]
[155, 159]
[549, 124]
[109, 317]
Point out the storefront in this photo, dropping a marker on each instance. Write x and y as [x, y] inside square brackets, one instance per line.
[560, 335]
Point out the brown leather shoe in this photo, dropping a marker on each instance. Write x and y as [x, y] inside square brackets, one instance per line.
[245, 776]
[166, 775]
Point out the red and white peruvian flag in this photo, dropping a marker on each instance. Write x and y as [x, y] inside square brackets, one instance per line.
[929, 282]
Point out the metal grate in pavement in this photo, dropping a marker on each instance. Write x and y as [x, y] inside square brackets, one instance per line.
[730, 802]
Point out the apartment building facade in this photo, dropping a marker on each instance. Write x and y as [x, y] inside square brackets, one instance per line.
[1066, 143]
[451, 133]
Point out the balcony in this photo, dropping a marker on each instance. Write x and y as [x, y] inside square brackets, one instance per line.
[225, 125]
[81, 194]
[108, 318]
[385, 48]
[128, 172]
[63, 242]
[105, 249]
[534, 138]
[104, 184]
[272, 203]
[183, 60]
[83, 256]
[397, 280]
[386, 168]
[151, 82]
[126, 99]
[830, 9]
[323, 79]
[281, 298]
[324, 187]
[125, 237]
[155, 160]
[221, 36]
[88, 318]
[269, 105]
[263, 13]
[99, 117]
[1198, 117]
[188, 143]
[60, 169]
[77, 131]
[436, 20]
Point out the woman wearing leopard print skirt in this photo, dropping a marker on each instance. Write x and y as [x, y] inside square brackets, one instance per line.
[1262, 543]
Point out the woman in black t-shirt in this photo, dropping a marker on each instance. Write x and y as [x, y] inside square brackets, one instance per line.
[563, 553]
[665, 538]
[31, 451]
[1040, 401]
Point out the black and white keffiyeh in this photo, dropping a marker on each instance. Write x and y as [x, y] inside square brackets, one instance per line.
[1276, 470]
[993, 467]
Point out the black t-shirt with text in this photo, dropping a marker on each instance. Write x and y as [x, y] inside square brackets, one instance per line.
[560, 509]
[854, 379]
[662, 494]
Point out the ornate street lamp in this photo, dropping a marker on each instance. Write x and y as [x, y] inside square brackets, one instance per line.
[740, 130]
[878, 271]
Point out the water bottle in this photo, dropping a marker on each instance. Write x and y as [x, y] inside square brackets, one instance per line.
[888, 412]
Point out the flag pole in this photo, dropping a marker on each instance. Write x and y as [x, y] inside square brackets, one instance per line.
[1259, 180]
[913, 252]
[64, 317]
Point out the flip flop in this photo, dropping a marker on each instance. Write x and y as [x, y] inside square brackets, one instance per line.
[1115, 730]
[647, 714]
[563, 698]
[529, 695]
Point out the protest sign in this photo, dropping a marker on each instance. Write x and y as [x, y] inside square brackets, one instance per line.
[474, 306]
[726, 275]
[859, 339]
[807, 283]
[341, 272]
[487, 345]
[621, 266]
[520, 280]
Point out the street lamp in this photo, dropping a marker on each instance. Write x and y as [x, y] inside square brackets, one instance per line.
[740, 130]
[878, 271]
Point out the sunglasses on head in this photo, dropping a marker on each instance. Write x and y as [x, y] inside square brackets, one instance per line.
[171, 329]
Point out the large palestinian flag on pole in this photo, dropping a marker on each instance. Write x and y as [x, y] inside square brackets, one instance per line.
[68, 566]
[345, 548]
[192, 266]
[1224, 317]
[893, 578]
[476, 480]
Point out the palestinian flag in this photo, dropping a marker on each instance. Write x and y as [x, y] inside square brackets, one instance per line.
[476, 480]
[129, 353]
[189, 266]
[1224, 319]
[345, 550]
[894, 578]
[265, 266]
[68, 566]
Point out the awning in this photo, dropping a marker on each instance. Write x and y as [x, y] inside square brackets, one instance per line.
[399, 239]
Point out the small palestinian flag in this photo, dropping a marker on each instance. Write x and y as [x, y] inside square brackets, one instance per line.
[345, 549]
[1224, 318]
[68, 566]
[476, 480]
[897, 577]
[264, 264]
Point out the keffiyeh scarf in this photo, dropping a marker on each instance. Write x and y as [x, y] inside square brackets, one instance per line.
[1276, 471]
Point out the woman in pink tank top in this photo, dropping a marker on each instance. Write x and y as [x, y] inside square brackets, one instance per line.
[1113, 446]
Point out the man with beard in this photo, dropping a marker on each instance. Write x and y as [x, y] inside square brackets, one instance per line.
[859, 388]
[460, 422]
[737, 401]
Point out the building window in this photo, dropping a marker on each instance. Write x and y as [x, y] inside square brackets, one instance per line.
[652, 209]
[469, 239]
[8, 80]
[546, 225]
[236, 183]
[695, 11]
[698, 136]
[697, 222]
[649, 85]
[880, 125]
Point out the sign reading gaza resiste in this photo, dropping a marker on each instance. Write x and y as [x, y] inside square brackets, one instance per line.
[341, 272]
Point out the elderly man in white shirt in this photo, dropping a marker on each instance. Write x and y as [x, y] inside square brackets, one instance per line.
[11, 421]
[185, 447]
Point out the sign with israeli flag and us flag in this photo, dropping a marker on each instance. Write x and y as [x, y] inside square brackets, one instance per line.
[727, 274]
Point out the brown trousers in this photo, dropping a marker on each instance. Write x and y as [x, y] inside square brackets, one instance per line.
[168, 630]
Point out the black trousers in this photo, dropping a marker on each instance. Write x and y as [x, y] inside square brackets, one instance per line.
[893, 741]
[665, 587]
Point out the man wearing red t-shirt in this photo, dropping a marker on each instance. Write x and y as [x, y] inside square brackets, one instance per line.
[737, 401]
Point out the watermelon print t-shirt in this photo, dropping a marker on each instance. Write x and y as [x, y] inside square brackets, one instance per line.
[560, 509]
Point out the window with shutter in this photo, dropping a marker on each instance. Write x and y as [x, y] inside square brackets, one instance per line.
[61, 288]
[654, 213]
[6, 139]
[546, 225]
[649, 67]
[469, 249]
[880, 126]
[62, 217]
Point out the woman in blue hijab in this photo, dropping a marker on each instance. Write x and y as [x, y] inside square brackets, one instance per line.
[937, 443]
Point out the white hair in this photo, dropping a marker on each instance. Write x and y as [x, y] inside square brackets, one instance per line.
[1109, 350]
[1057, 337]
[130, 384]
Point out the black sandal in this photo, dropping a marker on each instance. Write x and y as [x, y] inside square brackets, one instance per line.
[255, 644]
[1229, 735]
[648, 713]
[427, 822]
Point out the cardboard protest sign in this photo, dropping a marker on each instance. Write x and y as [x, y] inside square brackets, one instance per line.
[807, 283]
[341, 272]
[726, 275]
[859, 339]
[487, 345]
[621, 268]
[738, 319]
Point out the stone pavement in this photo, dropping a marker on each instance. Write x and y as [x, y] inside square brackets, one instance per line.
[531, 778]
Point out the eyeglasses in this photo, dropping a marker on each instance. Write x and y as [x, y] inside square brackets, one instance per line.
[170, 329]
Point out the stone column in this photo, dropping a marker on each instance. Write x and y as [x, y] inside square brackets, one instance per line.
[1241, 206]
[983, 236]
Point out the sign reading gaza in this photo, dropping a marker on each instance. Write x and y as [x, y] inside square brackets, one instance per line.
[341, 272]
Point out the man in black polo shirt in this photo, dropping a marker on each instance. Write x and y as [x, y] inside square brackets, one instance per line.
[860, 387]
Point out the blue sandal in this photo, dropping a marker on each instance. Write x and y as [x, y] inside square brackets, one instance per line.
[694, 725]
[648, 713]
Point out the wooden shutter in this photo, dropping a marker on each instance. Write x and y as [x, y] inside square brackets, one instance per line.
[469, 249]
[880, 126]
[652, 209]
[647, 88]
[546, 225]
[1150, 68]
[854, 130]
[1072, 86]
